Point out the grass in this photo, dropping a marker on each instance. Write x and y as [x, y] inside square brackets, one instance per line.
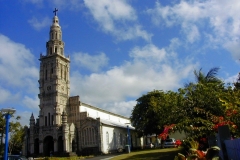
[149, 154]
[152, 154]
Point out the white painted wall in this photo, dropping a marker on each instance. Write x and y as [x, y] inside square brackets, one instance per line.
[108, 147]
[92, 112]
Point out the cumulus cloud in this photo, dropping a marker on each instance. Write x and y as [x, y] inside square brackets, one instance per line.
[19, 76]
[231, 79]
[220, 17]
[37, 2]
[25, 117]
[39, 24]
[117, 18]
[121, 108]
[16, 64]
[5, 95]
[150, 53]
[73, 5]
[93, 63]
[31, 103]
[234, 47]
[150, 68]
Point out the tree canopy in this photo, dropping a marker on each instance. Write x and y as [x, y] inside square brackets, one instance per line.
[197, 109]
[155, 110]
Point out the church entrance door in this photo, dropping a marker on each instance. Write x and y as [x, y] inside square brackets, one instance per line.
[36, 146]
[48, 146]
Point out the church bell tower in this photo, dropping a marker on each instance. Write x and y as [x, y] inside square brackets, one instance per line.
[50, 133]
[54, 84]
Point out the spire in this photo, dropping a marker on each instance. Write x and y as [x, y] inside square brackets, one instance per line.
[55, 23]
[55, 45]
[32, 120]
[32, 117]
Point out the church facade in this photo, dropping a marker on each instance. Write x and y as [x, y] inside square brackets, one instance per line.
[66, 125]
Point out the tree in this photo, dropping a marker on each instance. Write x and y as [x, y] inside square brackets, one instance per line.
[12, 129]
[210, 77]
[237, 83]
[155, 110]
[201, 104]
[231, 102]
[16, 137]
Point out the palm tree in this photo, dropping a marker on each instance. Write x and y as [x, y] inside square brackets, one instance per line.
[209, 78]
[203, 79]
[237, 83]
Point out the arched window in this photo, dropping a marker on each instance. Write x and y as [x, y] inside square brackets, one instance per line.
[45, 74]
[49, 119]
[61, 71]
[107, 138]
[51, 70]
[65, 75]
[120, 139]
[55, 49]
[88, 136]
[61, 51]
[50, 50]
[52, 120]
[93, 137]
[45, 120]
[114, 139]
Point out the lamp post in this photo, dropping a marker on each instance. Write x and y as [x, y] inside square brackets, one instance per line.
[7, 112]
[128, 138]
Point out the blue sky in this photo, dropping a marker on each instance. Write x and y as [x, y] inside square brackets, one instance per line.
[119, 49]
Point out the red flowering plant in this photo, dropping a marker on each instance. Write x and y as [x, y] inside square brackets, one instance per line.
[220, 121]
[231, 102]
[165, 132]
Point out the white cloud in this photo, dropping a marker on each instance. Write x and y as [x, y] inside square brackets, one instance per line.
[37, 2]
[17, 65]
[73, 5]
[234, 47]
[5, 95]
[31, 103]
[25, 117]
[121, 108]
[148, 53]
[93, 63]
[191, 32]
[231, 79]
[220, 17]
[39, 24]
[111, 10]
[118, 18]
[150, 68]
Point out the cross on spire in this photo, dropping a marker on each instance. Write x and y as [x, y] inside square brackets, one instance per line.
[55, 11]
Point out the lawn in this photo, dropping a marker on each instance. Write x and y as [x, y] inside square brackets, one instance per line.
[152, 154]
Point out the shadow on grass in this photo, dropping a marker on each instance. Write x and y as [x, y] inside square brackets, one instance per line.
[158, 154]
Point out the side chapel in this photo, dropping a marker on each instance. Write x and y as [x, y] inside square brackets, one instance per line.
[66, 125]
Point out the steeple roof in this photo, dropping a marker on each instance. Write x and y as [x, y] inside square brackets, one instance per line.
[55, 22]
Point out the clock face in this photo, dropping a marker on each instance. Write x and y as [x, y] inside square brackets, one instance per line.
[49, 88]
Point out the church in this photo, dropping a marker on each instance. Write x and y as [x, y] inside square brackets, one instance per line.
[65, 125]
